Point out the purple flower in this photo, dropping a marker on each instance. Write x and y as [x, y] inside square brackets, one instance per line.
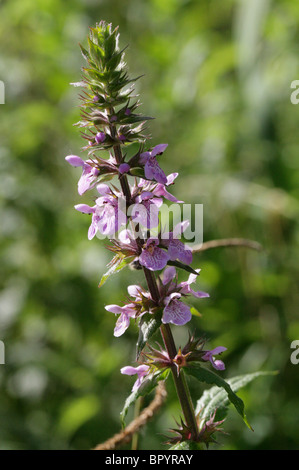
[128, 112]
[176, 248]
[137, 292]
[183, 287]
[153, 257]
[107, 216]
[141, 371]
[104, 189]
[175, 311]
[100, 137]
[85, 209]
[160, 189]
[126, 313]
[152, 170]
[89, 173]
[122, 137]
[111, 217]
[127, 239]
[146, 210]
[168, 275]
[209, 356]
[157, 190]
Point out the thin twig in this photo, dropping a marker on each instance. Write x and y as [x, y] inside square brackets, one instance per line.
[126, 435]
[228, 242]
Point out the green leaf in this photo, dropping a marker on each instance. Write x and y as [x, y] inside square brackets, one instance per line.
[106, 177]
[84, 52]
[117, 264]
[195, 312]
[148, 325]
[217, 399]
[146, 387]
[77, 412]
[96, 53]
[209, 377]
[137, 172]
[180, 265]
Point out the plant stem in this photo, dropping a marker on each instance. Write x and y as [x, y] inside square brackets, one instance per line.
[180, 383]
[179, 380]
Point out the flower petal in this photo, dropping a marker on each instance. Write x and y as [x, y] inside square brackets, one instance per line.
[85, 209]
[219, 365]
[171, 178]
[218, 350]
[92, 231]
[176, 312]
[158, 149]
[135, 291]
[122, 324]
[129, 370]
[168, 275]
[154, 260]
[152, 170]
[103, 189]
[162, 192]
[176, 250]
[124, 168]
[114, 308]
[144, 157]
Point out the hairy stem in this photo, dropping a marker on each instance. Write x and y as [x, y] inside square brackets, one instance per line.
[179, 380]
[180, 383]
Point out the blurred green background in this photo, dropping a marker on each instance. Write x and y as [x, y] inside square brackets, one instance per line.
[217, 79]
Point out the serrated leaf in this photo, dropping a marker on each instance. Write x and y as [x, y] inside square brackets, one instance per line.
[146, 387]
[118, 264]
[209, 377]
[148, 325]
[217, 399]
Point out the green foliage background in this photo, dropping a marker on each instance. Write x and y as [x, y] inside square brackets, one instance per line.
[217, 79]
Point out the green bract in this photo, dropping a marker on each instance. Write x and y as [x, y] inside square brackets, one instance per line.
[108, 91]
